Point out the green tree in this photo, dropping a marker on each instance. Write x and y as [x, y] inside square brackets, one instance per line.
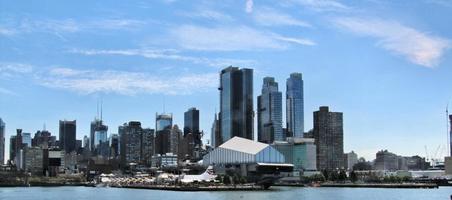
[353, 176]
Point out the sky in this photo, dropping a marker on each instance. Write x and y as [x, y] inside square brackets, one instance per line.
[387, 65]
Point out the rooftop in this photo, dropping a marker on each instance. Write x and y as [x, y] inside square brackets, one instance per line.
[244, 145]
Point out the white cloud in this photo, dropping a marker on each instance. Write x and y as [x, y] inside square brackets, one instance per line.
[272, 17]
[14, 68]
[223, 38]
[210, 15]
[323, 5]
[299, 41]
[418, 47]
[169, 54]
[126, 83]
[6, 32]
[249, 6]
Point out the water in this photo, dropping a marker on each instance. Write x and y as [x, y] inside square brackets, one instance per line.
[281, 193]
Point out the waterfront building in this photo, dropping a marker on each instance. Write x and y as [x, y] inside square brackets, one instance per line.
[236, 115]
[386, 161]
[54, 161]
[130, 136]
[67, 135]
[329, 138]
[2, 141]
[295, 105]
[301, 152]
[164, 160]
[269, 113]
[350, 159]
[33, 160]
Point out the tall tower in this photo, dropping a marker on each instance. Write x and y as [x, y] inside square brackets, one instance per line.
[450, 135]
[191, 124]
[67, 135]
[269, 112]
[295, 105]
[2, 142]
[329, 139]
[236, 115]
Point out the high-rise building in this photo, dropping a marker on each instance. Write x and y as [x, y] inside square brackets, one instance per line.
[387, 161]
[295, 105]
[269, 113]
[236, 115]
[12, 148]
[44, 139]
[130, 136]
[450, 135]
[26, 139]
[98, 135]
[215, 136]
[114, 145]
[350, 159]
[329, 138]
[86, 142]
[191, 125]
[67, 135]
[147, 146]
[33, 160]
[163, 126]
[16, 149]
[2, 142]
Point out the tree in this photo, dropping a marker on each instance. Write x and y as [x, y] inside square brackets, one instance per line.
[226, 179]
[353, 176]
[342, 176]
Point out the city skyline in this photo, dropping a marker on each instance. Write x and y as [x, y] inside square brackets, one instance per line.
[394, 82]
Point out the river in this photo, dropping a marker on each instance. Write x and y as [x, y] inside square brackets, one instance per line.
[279, 193]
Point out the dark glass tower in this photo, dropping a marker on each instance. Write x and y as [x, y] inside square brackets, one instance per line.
[67, 135]
[295, 105]
[329, 138]
[2, 142]
[191, 124]
[269, 112]
[236, 115]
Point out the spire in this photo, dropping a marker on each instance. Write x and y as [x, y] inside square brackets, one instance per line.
[101, 102]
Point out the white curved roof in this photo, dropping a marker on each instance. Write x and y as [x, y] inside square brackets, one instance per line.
[244, 145]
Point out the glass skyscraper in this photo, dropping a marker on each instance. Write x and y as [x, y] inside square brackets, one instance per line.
[269, 113]
[67, 135]
[2, 142]
[236, 115]
[295, 105]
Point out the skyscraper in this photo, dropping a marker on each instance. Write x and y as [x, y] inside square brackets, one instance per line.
[147, 146]
[163, 126]
[215, 136]
[329, 139]
[67, 135]
[236, 115]
[295, 105]
[114, 145]
[450, 135]
[191, 124]
[26, 139]
[2, 142]
[130, 136]
[98, 134]
[269, 113]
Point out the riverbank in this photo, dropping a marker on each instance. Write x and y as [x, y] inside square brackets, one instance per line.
[193, 188]
[382, 185]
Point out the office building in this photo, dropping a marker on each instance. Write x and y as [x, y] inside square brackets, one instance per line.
[163, 121]
[2, 141]
[450, 136]
[329, 138]
[350, 159]
[147, 146]
[33, 159]
[386, 161]
[26, 139]
[114, 146]
[67, 135]
[163, 126]
[191, 125]
[269, 113]
[215, 136]
[301, 152]
[130, 136]
[236, 115]
[98, 137]
[295, 106]
[44, 139]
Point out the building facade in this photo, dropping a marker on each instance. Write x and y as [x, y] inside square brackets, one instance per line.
[191, 124]
[236, 115]
[295, 105]
[215, 136]
[301, 152]
[130, 136]
[67, 135]
[386, 161]
[329, 138]
[2, 141]
[350, 159]
[269, 113]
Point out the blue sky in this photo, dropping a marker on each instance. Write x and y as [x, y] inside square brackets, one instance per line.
[386, 64]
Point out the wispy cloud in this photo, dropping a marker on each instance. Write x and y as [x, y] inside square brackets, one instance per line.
[168, 54]
[6, 31]
[418, 47]
[299, 41]
[323, 5]
[226, 38]
[249, 6]
[125, 83]
[209, 14]
[9, 70]
[270, 17]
